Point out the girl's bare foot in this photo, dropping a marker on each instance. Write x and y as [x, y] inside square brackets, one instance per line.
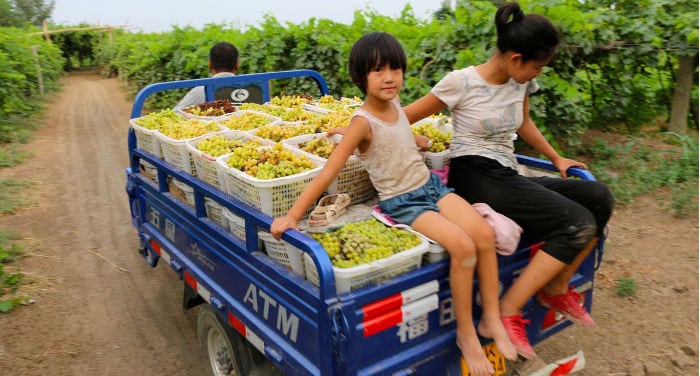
[474, 355]
[494, 329]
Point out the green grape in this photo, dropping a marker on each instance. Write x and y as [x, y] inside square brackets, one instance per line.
[281, 132]
[336, 119]
[155, 120]
[362, 242]
[291, 100]
[189, 128]
[441, 140]
[219, 145]
[323, 147]
[330, 103]
[245, 121]
[268, 162]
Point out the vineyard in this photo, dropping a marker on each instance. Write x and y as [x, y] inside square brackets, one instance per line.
[622, 64]
[608, 97]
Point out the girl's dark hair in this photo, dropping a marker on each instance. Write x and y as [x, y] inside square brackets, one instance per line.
[533, 36]
[223, 55]
[371, 51]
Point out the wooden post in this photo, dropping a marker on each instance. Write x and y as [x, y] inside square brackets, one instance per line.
[38, 70]
[45, 26]
[47, 32]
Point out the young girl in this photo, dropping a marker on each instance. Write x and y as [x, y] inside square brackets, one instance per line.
[409, 193]
[488, 104]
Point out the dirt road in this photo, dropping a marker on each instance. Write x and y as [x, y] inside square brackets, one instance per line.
[101, 310]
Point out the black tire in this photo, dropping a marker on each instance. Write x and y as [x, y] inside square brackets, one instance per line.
[225, 351]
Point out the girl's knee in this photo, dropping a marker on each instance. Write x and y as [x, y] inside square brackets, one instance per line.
[484, 236]
[461, 250]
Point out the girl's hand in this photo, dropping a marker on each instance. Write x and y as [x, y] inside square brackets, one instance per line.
[282, 224]
[423, 142]
[563, 164]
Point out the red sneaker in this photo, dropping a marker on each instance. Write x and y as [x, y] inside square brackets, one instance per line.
[515, 328]
[568, 304]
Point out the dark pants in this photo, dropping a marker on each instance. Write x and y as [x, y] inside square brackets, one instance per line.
[566, 213]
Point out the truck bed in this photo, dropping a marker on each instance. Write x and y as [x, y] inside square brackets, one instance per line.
[401, 326]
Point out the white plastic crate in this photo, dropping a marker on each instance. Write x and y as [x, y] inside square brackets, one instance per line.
[213, 208]
[436, 161]
[146, 139]
[182, 192]
[214, 212]
[283, 252]
[372, 273]
[352, 179]
[149, 171]
[236, 224]
[273, 197]
[176, 151]
[435, 253]
[205, 166]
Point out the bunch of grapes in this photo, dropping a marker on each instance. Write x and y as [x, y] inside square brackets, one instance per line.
[323, 147]
[219, 145]
[291, 100]
[213, 108]
[256, 107]
[362, 242]
[268, 163]
[330, 103]
[441, 140]
[278, 133]
[189, 128]
[269, 109]
[155, 120]
[245, 121]
[297, 114]
[289, 114]
[335, 119]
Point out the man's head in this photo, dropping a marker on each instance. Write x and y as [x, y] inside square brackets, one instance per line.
[223, 57]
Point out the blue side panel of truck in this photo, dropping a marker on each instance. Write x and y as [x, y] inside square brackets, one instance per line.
[301, 328]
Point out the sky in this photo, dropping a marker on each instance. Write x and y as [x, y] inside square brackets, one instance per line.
[162, 15]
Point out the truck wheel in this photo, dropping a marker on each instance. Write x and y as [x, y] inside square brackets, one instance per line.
[228, 353]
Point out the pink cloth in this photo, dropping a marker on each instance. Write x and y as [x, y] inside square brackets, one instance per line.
[442, 173]
[506, 230]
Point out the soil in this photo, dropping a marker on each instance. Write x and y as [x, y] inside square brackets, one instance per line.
[98, 308]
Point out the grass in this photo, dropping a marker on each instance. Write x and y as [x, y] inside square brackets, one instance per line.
[10, 279]
[626, 286]
[11, 199]
[636, 168]
[11, 195]
[10, 155]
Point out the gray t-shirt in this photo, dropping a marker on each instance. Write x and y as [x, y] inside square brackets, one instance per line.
[196, 95]
[485, 117]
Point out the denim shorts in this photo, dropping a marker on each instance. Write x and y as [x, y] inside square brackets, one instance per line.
[406, 207]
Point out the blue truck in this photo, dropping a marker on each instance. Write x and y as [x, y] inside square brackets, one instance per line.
[257, 317]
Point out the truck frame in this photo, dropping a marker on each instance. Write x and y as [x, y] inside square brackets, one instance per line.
[259, 318]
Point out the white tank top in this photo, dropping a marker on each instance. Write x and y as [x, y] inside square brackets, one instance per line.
[392, 160]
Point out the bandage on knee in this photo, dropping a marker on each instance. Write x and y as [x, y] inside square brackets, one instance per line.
[469, 262]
